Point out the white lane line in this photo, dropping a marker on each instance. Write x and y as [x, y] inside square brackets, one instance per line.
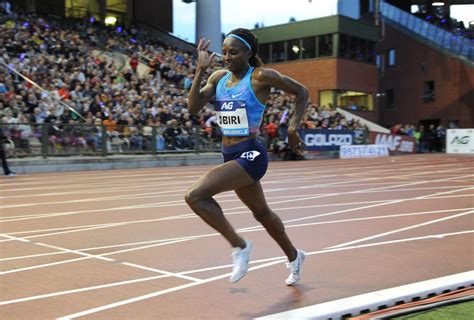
[193, 216]
[138, 196]
[66, 213]
[90, 256]
[152, 195]
[32, 256]
[276, 202]
[39, 216]
[276, 260]
[361, 191]
[31, 298]
[44, 265]
[142, 184]
[158, 172]
[148, 195]
[65, 250]
[72, 291]
[123, 223]
[402, 215]
[274, 167]
[108, 225]
[104, 185]
[466, 188]
[112, 179]
[176, 240]
[109, 185]
[94, 191]
[242, 230]
[119, 197]
[359, 208]
[419, 189]
[402, 229]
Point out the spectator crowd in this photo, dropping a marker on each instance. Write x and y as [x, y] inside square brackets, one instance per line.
[428, 139]
[76, 80]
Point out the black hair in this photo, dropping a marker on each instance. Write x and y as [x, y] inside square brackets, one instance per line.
[255, 60]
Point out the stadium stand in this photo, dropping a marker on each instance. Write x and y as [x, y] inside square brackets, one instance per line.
[116, 88]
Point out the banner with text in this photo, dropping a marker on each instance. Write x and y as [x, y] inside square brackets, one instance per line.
[394, 142]
[460, 141]
[326, 140]
[363, 151]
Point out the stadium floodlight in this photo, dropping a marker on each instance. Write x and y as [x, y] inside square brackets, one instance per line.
[437, 4]
[110, 21]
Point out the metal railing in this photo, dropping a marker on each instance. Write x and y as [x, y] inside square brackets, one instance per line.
[54, 139]
[454, 43]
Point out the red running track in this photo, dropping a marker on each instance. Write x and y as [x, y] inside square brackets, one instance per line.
[122, 244]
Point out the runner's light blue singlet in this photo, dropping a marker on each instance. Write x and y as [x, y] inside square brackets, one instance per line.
[239, 113]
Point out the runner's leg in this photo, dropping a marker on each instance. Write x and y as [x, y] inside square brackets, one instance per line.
[252, 196]
[226, 177]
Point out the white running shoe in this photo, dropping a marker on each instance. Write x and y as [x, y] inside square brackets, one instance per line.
[295, 267]
[241, 259]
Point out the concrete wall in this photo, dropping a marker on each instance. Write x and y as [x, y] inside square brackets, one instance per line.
[40, 165]
[67, 164]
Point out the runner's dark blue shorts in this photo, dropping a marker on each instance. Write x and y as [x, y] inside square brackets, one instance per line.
[251, 155]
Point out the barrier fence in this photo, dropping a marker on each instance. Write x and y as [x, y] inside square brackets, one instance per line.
[53, 139]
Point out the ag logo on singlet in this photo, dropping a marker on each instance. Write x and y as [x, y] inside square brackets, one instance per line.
[227, 105]
[250, 155]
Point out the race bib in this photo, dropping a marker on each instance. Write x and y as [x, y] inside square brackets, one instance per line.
[232, 118]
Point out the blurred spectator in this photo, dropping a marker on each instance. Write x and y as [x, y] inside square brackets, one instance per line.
[134, 63]
[3, 156]
[440, 138]
[6, 7]
[431, 133]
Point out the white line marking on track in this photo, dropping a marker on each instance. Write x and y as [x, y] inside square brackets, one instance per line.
[277, 202]
[61, 293]
[276, 260]
[132, 249]
[32, 256]
[193, 216]
[39, 216]
[87, 255]
[402, 229]
[435, 236]
[355, 209]
[153, 195]
[304, 218]
[243, 230]
[112, 224]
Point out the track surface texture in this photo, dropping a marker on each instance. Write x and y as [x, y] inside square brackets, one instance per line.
[123, 244]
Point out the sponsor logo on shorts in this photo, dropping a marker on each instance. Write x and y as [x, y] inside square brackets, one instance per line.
[250, 155]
